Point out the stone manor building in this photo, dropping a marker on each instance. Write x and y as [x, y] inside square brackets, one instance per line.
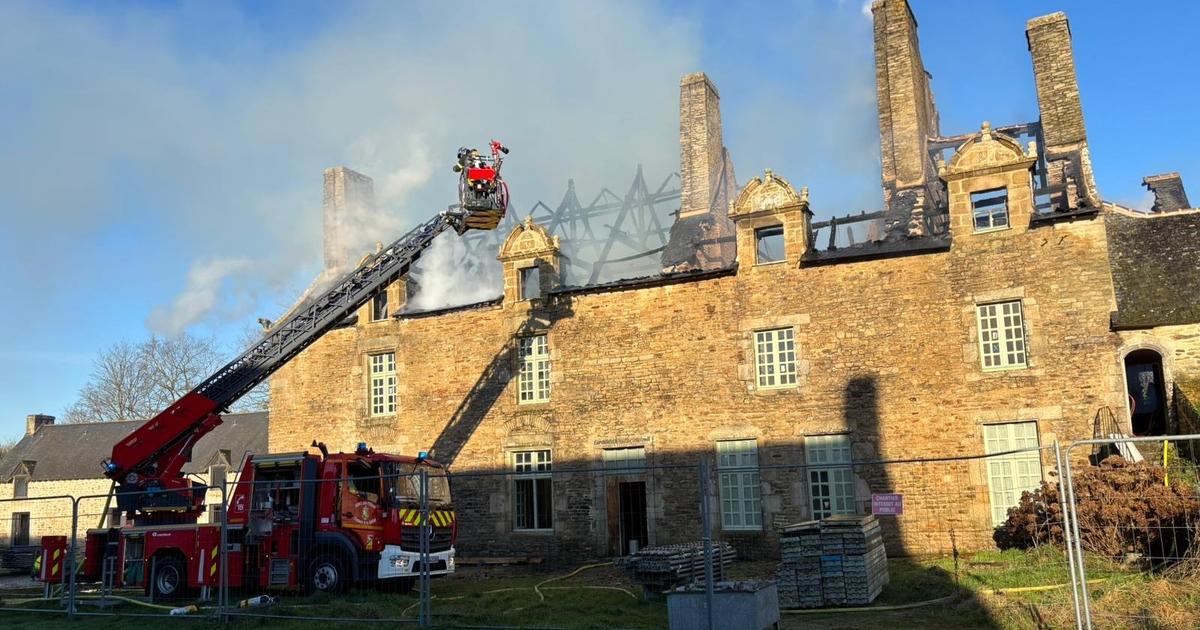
[997, 301]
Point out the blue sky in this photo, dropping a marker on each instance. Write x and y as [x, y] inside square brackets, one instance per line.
[163, 159]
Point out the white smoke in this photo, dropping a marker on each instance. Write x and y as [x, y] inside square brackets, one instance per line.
[447, 277]
[199, 295]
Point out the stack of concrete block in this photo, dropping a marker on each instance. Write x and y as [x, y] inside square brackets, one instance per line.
[837, 561]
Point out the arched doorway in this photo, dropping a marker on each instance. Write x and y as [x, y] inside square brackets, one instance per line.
[1147, 392]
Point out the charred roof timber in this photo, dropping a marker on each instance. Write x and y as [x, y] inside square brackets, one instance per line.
[1169, 194]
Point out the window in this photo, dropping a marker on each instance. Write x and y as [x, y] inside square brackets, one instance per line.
[533, 381]
[830, 487]
[114, 517]
[19, 534]
[624, 461]
[531, 283]
[383, 384]
[533, 495]
[737, 469]
[768, 244]
[775, 358]
[20, 487]
[379, 306]
[990, 209]
[1010, 475]
[1002, 335]
[216, 513]
[216, 476]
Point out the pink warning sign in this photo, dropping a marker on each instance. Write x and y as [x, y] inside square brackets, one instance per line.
[887, 504]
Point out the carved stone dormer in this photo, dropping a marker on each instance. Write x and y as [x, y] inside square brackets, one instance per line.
[533, 263]
[990, 184]
[766, 203]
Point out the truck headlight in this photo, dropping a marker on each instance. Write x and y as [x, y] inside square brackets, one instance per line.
[399, 562]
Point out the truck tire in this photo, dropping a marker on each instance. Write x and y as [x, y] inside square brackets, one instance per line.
[169, 581]
[328, 574]
[399, 586]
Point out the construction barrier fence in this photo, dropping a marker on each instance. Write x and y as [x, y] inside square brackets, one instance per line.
[539, 543]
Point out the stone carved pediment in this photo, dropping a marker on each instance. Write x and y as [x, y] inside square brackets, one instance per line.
[768, 193]
[528, 239]
[987, 150]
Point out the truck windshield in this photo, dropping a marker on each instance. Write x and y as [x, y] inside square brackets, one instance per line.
[403, 482]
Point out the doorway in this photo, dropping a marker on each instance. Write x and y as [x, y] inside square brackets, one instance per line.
[1147, 392]
[627, 527]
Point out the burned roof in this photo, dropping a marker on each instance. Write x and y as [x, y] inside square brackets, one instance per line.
[74, 451]
[1155, 262]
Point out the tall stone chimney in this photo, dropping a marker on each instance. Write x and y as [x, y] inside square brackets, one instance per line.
[349, 198]
[702, 236]
[1068, 160]
[1169, 194]
[908, 117]
[35, 421]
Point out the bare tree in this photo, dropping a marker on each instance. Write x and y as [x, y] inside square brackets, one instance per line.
[7, 445]
[259, 398]
[136, 381]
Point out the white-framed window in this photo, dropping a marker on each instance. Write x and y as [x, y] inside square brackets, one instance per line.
[383, 383]
[533, 378]
[989, 209]
[531, 283]
[741, 496]
[830, 485]
[533, 491]
[624, 461]
[216, 475]
[768, 245]
[20, 486]
[1011, 475]
[1001, 335]
[379, 306]
[775, 357]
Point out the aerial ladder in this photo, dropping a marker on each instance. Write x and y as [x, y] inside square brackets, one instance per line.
[147, 465]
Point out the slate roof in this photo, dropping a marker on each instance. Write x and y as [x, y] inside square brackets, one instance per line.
[74, 451]
[1155, 268]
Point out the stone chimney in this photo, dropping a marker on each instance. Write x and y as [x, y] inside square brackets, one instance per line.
[907, 113]
[349, 199]
[1068, 161]
[702, 236]
[35, 421]
[1168, 192]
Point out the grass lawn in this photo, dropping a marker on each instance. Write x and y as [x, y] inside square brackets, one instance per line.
[984, 590]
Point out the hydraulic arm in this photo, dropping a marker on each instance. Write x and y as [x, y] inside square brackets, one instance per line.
[148, 464]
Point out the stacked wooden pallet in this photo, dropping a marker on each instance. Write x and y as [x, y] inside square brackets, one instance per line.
[662, 568]
[837, 561]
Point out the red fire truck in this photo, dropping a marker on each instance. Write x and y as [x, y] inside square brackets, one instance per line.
[317, 522]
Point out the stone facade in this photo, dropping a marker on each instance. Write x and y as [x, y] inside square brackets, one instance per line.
[886, 343]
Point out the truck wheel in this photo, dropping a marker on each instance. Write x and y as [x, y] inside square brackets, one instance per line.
[327, 574]
[169, 581]
[396, 585]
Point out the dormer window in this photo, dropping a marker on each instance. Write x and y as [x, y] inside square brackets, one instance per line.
[531, 283]
[20, 486]
[379, 307]
[768, 245]
[989, 209]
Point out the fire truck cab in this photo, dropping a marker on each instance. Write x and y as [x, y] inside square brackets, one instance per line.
[318, 523]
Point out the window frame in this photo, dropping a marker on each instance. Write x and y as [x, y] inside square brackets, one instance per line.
[739, 485]
[536, 471]
[759, 236]
[380, 300]
[385, 401]
[820, 451]
[997, 511]
[770, 360]
[524, 277]
[533, 369]
[1002, 329]
[617, 460]
[20, 486]
[990, 210]
[16, 520]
